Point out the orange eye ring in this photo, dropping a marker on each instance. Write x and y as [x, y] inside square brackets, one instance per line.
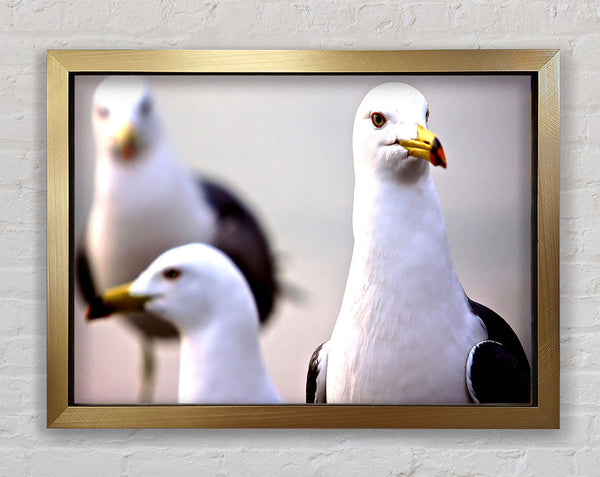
[378, 119]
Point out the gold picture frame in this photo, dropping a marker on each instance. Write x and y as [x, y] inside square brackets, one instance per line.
[541, 65]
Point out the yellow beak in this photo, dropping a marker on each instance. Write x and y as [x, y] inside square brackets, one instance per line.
[117, 300]
[426, 146]
[126, 141]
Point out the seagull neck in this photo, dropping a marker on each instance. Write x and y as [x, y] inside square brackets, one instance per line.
[387, 213]
[221, 362]
[401, 252]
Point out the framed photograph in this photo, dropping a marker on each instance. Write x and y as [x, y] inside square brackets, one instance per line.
[288, 140]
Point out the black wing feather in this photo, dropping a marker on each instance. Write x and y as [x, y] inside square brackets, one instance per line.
[241, 237]
[314, 394]
[500, 371]
[86, 285]
[83, 275]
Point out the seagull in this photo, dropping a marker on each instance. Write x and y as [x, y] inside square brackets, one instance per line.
[201, 292]
[406, 332]
[145, 202]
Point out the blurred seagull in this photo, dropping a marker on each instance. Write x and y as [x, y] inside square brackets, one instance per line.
[406, 332]
[201, 292]
[145, 203]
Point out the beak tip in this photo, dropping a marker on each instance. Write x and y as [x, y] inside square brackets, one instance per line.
[437, 154]
[97, 309]
[128, 152]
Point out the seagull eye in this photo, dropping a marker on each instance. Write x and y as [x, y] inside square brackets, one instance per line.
[146, 107]
[378, 119]
[427, 115]
[102, 112]
[172, 273]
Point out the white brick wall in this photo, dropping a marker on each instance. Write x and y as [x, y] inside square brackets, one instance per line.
[29, 28]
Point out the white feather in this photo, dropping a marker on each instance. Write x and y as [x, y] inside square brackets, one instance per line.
[143, 206]
[404, 330]
[213, 308]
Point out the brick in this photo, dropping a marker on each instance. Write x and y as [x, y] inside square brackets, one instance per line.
[579, 312]
[39, 16]
[22, 245]
[453, 461]
[15, 462]
[547, 462]
[595, 430]
[593, 129]
[19, 283]
[580, 13]
[239, 15]
[17, 428]
[580, 90]
[580, 388]
[579, 280]
[574, 431]
[23, 128]
[91, 462]
[20, 395]
[573, 128]
[433, 16]
[29, 89]
[162, 461]
[580, 167]
[22, 205]
[382, 18]
[94, 16]
[571, 240]
[145, 16]
[484, 15]
[549, 19]
[580, 351]
[587, 462]
[579, 203]
[22, 354]
[326, 15]
[591, 245]
[21, 167]
[22, 316]
[585, 48]
[321, 462]
[7, 15]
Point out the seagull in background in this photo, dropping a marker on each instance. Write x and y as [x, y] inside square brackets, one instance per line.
[406, 332]
[145, 202]
[200, 291]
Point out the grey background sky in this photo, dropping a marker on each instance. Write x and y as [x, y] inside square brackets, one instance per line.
[284, 144]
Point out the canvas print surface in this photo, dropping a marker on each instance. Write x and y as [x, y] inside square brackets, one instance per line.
[281, 147]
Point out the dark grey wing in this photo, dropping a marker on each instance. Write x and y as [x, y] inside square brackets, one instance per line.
[316, 378]
[497, 369]
[241, 237]
[83, 275]
[86, 285]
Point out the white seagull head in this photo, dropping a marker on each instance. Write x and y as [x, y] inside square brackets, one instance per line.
[189, 286]
[124, 118]
[390, 138]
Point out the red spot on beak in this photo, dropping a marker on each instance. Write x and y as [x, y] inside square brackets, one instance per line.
[437, 156]
[128, 151]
